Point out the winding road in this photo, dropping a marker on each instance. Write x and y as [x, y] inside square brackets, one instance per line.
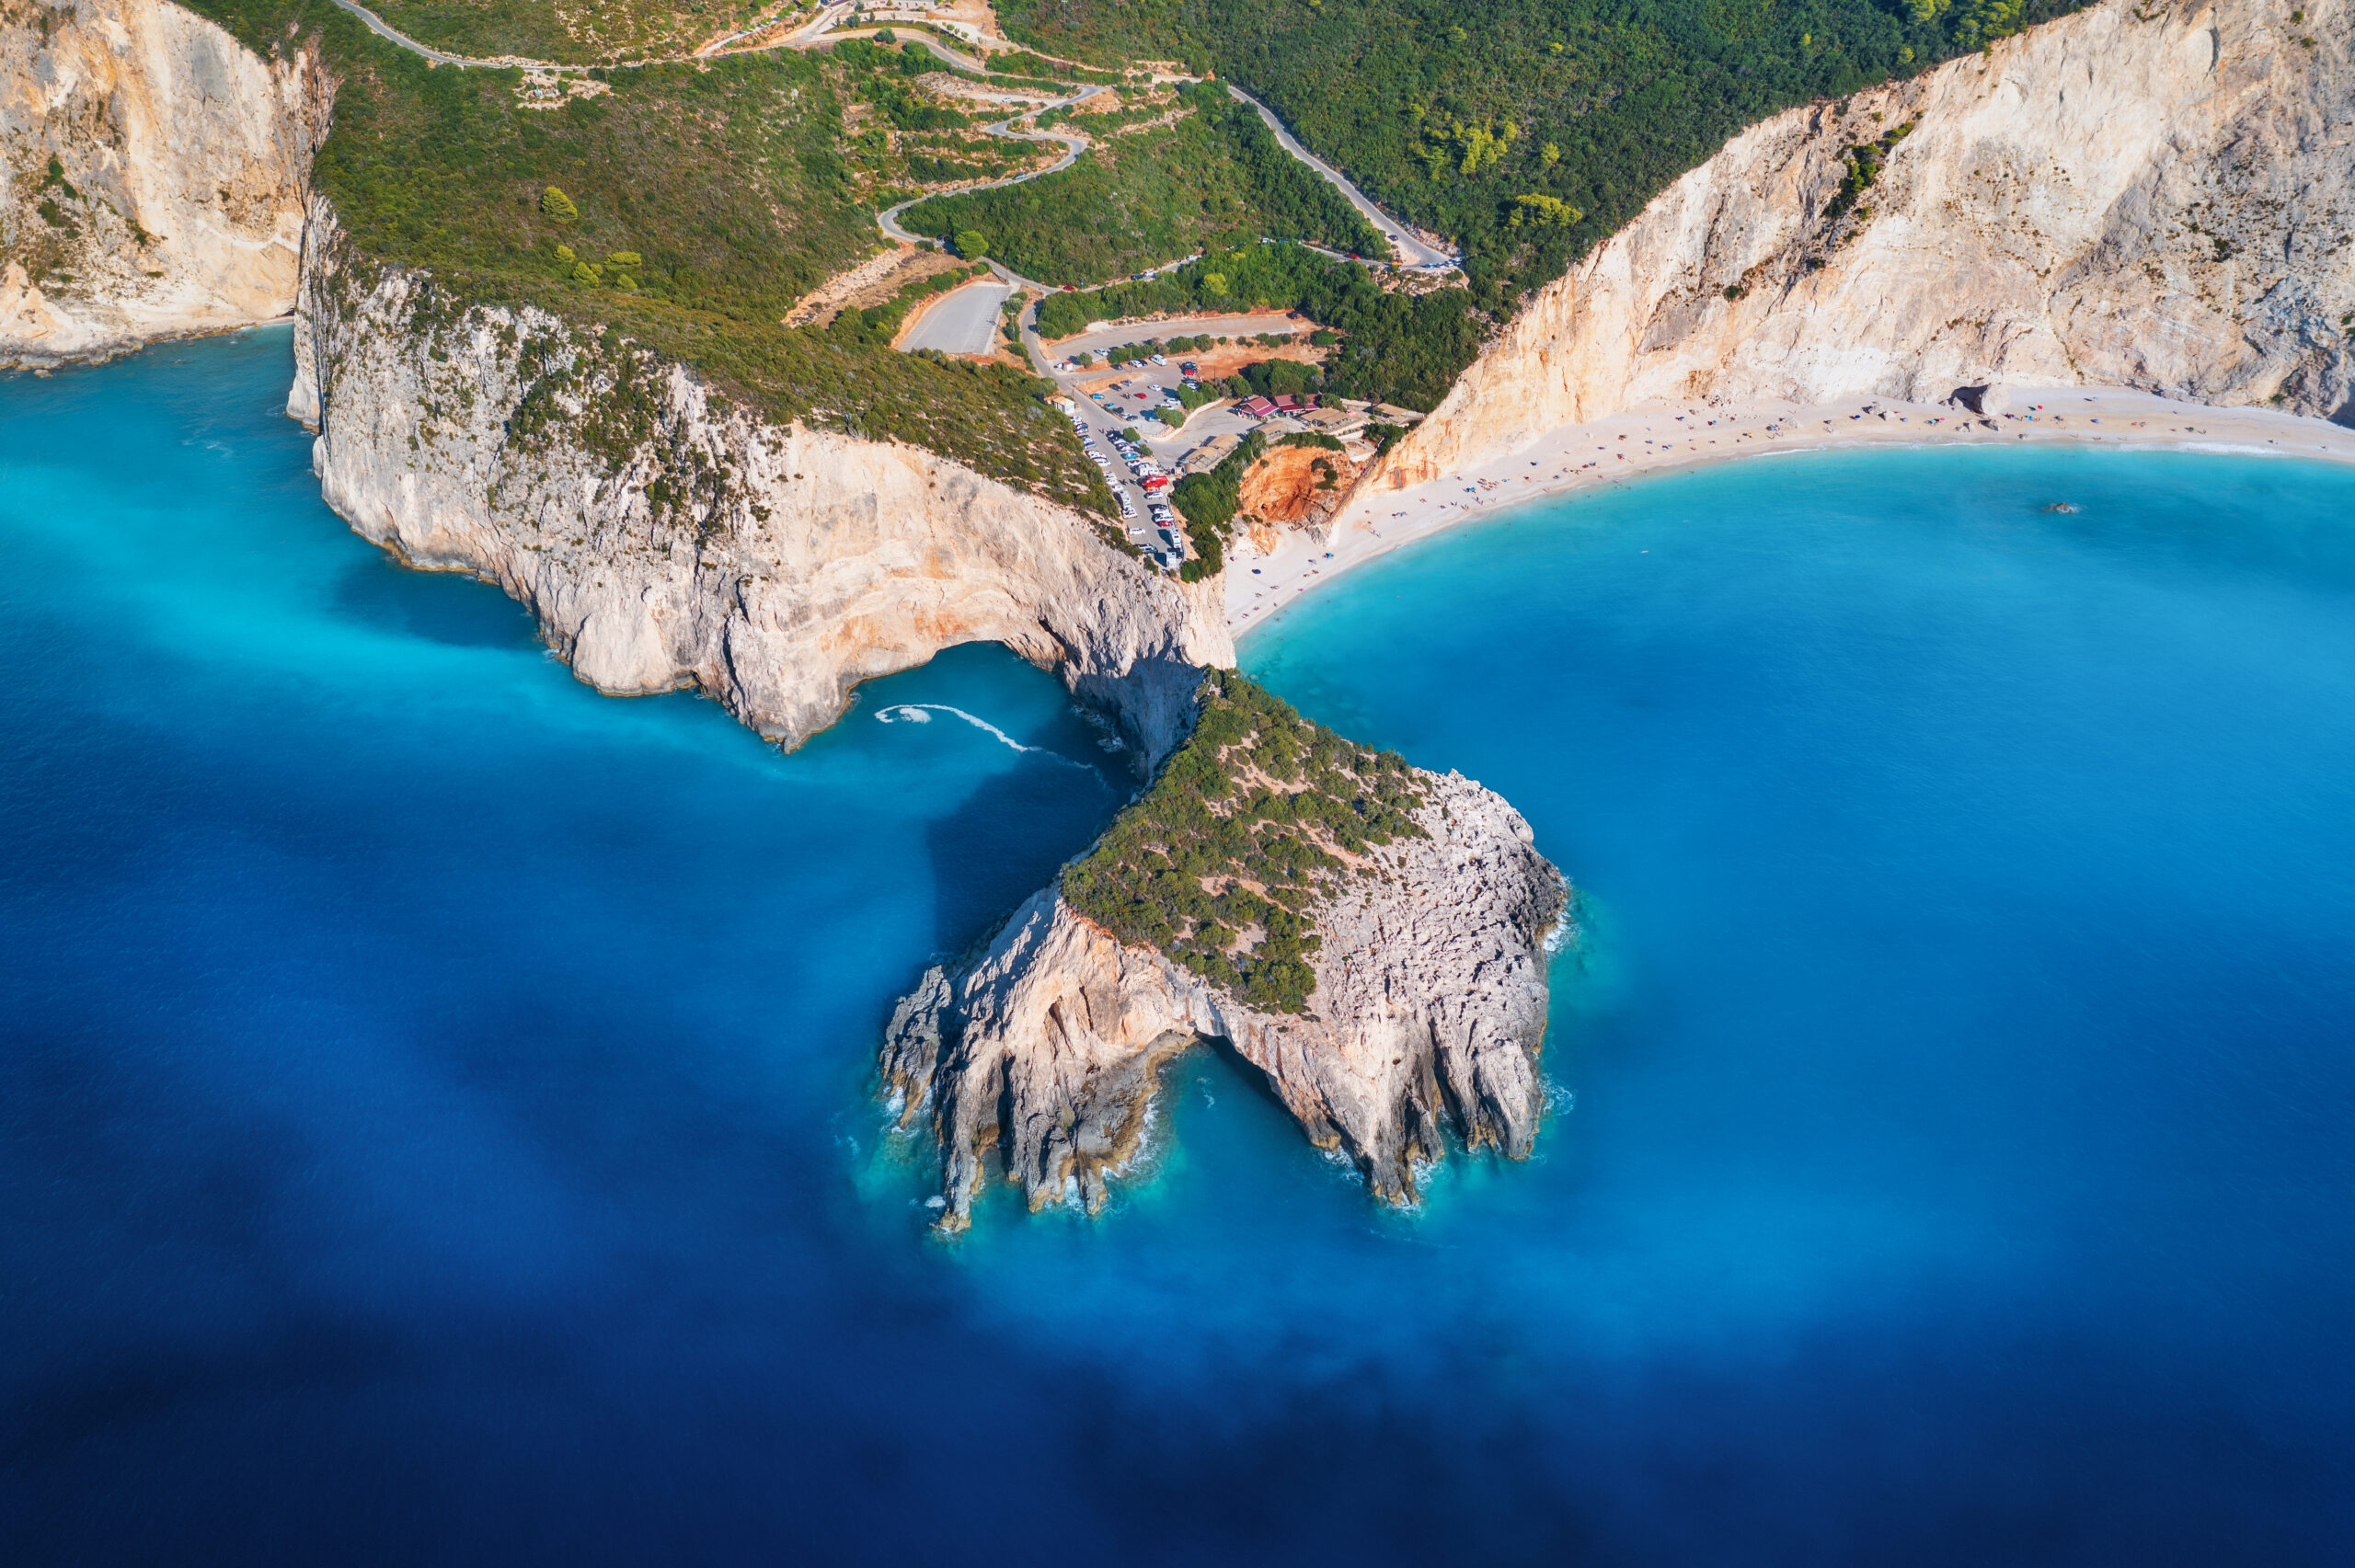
[1413, 250]
[1073, 144]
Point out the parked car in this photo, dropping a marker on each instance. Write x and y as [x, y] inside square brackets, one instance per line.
[1160, 360]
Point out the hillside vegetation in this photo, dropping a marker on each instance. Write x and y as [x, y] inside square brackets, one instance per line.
[579, 34]
[1256, 816]
[1528, 129]
[689, 208]
[1396, 347]
[1145, 197]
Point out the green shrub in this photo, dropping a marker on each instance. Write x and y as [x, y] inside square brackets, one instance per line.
[1208, 502]
[554, 204]
[1448, 114]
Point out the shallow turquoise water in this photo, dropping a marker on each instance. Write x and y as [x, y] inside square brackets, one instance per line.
[432, 1103]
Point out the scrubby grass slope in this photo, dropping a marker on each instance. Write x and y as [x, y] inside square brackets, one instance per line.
[1452, 111]
[731, 188]
[1147, 197]
[1256, 816]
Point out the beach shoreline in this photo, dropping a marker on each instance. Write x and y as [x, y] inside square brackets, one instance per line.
[1664, 437]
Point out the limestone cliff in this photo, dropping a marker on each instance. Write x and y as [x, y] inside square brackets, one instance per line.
[1427, 1013]
[2150, 195]
[152, 172]
[666, 536]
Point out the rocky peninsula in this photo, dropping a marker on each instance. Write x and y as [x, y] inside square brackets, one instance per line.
[1369, 936]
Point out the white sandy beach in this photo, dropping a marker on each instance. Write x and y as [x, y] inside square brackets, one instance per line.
[1668, 436]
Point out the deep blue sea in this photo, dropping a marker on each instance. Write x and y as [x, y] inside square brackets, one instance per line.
[435, 1099]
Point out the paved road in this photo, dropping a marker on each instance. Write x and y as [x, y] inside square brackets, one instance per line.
[1096, 342]
[385, 31]
[1414, 252]
[1073, 144]
[905, 34]
[964, 321]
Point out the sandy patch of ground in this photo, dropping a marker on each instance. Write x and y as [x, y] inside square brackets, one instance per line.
[1137, 329]
[974, 14]
[1668, 436]
[942, 84]
[871, 282]
[1234, 356]
[1290, 485]
[1218, 360]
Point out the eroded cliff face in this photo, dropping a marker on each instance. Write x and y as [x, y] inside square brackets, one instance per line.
[152, 176]
[668, 537]
[1428, 1010]
[2159, 196]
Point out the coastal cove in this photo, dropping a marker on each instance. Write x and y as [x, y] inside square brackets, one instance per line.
[1669, 438]
[439, 1098]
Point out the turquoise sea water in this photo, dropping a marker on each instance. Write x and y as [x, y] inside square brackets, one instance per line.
[433, 1117]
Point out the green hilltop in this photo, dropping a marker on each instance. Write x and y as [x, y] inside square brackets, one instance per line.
[1256, 816]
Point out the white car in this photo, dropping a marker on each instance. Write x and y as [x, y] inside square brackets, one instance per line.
[1160, 359]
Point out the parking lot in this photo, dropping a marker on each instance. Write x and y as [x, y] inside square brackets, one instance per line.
[1108, 401]
[962, 322]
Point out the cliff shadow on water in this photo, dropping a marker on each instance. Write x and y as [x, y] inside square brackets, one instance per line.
[455, 608]
[1056, 792]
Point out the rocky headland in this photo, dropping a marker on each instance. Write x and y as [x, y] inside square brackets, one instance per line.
[2149, 196]
[1369, 936]
[668, 536]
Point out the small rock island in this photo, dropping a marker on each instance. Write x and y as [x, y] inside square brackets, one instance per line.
[1368, 935]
